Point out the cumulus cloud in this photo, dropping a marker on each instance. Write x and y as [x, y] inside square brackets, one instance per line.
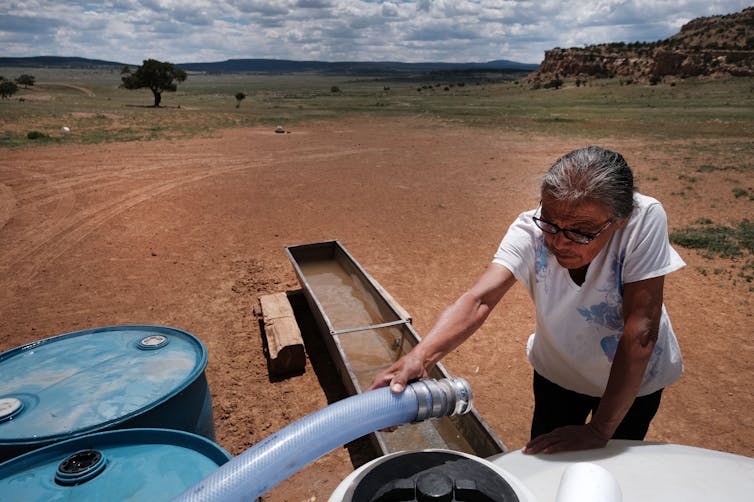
[179, 31]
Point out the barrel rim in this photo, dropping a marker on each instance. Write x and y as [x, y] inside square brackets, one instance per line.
[116, 438]
[199, 368]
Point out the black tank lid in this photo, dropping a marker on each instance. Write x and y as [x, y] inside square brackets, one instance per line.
[430, 476]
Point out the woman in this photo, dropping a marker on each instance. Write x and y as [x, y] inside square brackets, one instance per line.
[593, 257]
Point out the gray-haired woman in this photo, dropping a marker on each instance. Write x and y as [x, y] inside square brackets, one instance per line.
[593, 257]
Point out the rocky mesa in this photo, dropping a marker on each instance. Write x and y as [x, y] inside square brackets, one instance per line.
[706, 46]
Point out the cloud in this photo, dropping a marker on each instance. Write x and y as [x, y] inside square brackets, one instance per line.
[390, 9]
[27, 24]
[399, 30]
[445, 31]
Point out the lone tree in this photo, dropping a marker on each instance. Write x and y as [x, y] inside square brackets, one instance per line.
[26, 80]
[159, 77]
[239, 97]
[7, 89]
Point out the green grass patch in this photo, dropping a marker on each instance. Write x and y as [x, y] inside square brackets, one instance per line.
[710, 240]
[93, 105]
[717, 240]
[741, 192]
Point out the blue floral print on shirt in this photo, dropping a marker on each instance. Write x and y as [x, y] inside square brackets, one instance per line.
[609, 313]
[540, 262]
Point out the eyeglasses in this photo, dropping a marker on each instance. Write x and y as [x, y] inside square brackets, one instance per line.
[570, 234]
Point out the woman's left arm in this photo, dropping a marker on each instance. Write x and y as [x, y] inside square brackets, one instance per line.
[642, 307]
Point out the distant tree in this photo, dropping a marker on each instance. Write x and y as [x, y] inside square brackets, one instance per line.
[239, 97]
[25, 80]
[7, 89]
[158, 76]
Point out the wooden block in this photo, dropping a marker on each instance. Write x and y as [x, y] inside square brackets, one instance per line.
[284, 342]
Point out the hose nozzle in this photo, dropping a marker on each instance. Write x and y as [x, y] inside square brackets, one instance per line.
[439, 398]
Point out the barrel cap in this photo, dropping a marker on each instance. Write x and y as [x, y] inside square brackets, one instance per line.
[128, 464]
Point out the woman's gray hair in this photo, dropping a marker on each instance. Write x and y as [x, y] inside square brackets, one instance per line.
[592, 173]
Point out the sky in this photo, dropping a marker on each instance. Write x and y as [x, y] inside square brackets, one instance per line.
[184, 31]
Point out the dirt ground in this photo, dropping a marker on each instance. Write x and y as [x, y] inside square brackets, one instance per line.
[190, 233]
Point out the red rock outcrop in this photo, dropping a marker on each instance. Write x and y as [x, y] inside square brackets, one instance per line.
[715, 45]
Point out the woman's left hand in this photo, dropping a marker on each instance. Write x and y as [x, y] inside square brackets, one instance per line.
[568, 438]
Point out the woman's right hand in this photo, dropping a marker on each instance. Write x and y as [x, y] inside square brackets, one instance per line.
[406, 369]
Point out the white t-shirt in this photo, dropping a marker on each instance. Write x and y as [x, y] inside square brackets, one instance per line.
[578, 327]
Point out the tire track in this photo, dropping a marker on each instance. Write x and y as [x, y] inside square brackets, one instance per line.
[58, 238]
[40, 246]
[61, 195]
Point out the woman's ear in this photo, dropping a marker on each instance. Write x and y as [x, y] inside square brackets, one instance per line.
[620, 223]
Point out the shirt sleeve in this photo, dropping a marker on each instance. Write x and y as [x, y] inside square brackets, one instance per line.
[516, 251]
[649, 253]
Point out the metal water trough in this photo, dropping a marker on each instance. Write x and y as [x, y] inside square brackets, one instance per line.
[365, 331]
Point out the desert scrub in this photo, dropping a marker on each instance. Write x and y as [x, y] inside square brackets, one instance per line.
[741, 192]
[37, 135]
[720, 240]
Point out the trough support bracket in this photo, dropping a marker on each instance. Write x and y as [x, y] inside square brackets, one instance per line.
[373, 326]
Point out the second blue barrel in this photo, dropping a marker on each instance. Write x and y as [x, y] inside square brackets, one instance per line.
[100, 379]
[137, 465]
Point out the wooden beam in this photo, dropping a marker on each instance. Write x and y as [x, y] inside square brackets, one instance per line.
[284, 342]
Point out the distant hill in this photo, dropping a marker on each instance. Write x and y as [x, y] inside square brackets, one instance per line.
[350, 67]
[284, 66]
[714, 45]
[57, 62]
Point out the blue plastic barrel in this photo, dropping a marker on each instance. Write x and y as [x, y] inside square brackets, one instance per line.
[131, 464]
[101, 379]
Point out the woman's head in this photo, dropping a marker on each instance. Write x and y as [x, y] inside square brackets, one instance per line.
[592, 174]
[587, 195]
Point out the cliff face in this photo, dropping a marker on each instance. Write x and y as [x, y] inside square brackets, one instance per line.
[715, 45]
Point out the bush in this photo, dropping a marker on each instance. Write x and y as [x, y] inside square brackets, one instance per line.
[740, 192]
[36, 135]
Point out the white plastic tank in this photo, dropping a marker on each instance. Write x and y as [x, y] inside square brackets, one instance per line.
[646, 472]
[623, 471]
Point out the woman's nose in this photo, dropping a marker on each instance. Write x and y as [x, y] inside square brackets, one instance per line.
[560, 241]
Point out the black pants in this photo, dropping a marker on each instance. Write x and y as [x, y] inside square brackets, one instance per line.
[555, 407]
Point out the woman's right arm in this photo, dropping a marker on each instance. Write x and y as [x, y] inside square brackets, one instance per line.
[455, 324]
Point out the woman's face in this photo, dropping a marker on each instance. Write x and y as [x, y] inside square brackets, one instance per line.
[588, 217]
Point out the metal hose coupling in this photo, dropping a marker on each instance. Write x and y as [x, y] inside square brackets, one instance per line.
[439, 398]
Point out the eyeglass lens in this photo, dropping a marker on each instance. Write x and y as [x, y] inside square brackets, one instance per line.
[572, 235]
